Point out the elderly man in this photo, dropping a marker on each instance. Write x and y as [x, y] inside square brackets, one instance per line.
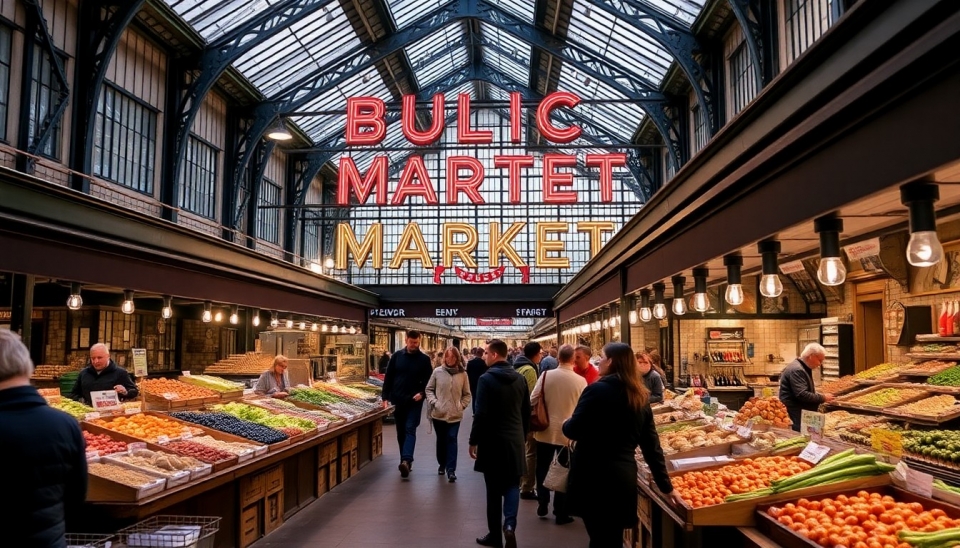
[43, 454]
[797, 391]
[103, 374]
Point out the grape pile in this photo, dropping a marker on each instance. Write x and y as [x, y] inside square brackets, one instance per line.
[232, 425]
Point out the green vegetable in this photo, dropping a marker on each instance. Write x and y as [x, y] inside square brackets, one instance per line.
[947, 377]
[935, 539]
[843, 474]
[826, 468]
[263, 417]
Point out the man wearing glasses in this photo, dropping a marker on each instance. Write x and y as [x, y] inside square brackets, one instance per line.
[797, 391]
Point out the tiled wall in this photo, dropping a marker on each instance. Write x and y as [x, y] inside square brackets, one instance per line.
[199, 351]
[55, 350]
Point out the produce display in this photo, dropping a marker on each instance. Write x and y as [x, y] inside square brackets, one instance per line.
[934, 348]
[51, 372]
[930, 407]
[266, 418]
[213, 383]
[843, 466]
[145, 427]
[864, 520]
[314, 396]
[667, 418]
[73, 408]
[103, 443]
[119, 474]
[181, 391]
[767, 410]
[708, 487]
[939, 484]
[337, 404]
[199, 451]
[251, 363]
[843, 384]
[835, 422]
[345, 391]
[877, 371]
[375, 389]
[685, 440]
[164, 464]
[885, 397]
[929, 366]
[760, 441]
[943, 445]
[232, 425]
[321, 418]
[232, 447]
[947, 377]
[862, 433]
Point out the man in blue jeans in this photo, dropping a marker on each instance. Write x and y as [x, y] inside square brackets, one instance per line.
[405, 387]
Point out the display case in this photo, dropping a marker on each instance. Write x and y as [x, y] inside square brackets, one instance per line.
[837, 339]
[351, 352]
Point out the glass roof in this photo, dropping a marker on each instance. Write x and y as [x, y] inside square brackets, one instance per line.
[214, 18]
[438, 54]
[515, 65]
[621, 42]
[620, 118]
[321, 127]
[407, 11]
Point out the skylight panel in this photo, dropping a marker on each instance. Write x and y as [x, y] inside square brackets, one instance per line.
[214, 18]
[407, 11]
[624, 44]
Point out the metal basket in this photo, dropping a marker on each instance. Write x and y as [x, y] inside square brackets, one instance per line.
[84, 540]
[171, 532]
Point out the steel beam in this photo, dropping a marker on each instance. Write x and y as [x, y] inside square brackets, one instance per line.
[748, 15]
[249, 202]
[296, 193]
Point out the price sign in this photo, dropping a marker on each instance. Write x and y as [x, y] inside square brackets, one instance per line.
[163, 440]
[814, 452]
[140, 362]
[727, 423]
[91, 416]
[169, 396]
[136, 445]
[132, 410]
[811, 424]
[105, 400]
[886, 441]
[919, 483]
[185, 373]
[186, 434]
[746, 430]
[92, 454]
[711, 409]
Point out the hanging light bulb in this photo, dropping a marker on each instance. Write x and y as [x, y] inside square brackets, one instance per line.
[218, 316]
[289, 323]
[679, 304]
[606, 323]
[924, 248]
[234, 315]
[256, 317]
[127, 307]
[770, 284]
[659, 308]
[353, 330]
[596, 325]
[328, 263]
[734, 293]
[207, 315]
[700, 301]
[324, 328]
[315, 327]
[645, 313]
[832, 271]
[303, 325]
[274, 322]
[634, 317]
[279, 131]
[167, 311]
[74, 301]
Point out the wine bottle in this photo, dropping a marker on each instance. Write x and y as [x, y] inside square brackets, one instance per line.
[955, 319]
[942, 324]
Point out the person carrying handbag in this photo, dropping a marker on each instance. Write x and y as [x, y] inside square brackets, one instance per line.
[448, 394]
[560, 389]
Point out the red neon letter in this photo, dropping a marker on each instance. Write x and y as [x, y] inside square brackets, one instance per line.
[407, 187]
[365, 112]
[514, 163]
[546, 127]
[409, 120]
[469, 186]
[465, 135]
[515, 115]
[348, 179]
[606, 163]
[553, 179]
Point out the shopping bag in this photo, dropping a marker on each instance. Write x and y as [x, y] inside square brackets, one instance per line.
[539, 418]
[556, 479]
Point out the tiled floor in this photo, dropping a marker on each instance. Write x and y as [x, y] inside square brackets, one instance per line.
[378, 509]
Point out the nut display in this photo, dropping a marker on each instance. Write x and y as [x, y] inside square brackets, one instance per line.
[882, 370]
[146, 427]
[929, 366]
[770, 410]
[164, 464]
[213, 383]
[886, 397]
[685, 440]
[232, 425]
[843, 384]
[251, 363]
[933, 406]
[232, 447]
[947, 377]
[103, 443]
[182, 391]
[119, 474]
[199, 451]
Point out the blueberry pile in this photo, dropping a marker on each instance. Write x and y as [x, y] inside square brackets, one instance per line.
[232, 425]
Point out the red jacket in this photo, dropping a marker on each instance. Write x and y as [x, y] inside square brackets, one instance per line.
[591, 373]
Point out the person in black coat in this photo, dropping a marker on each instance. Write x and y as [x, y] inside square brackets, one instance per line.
[475, 367]
[500, 427]
[405, 386]
[103, 374]
[611, 419]
[44, 456]
[384, 361]
[797, 391]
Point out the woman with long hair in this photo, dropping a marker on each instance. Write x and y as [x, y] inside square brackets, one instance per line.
[613, 418]
[448, 394]
[650, 375]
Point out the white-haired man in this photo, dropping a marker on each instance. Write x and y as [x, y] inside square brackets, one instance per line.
[43, 455]
[797, 391]
[103, 374]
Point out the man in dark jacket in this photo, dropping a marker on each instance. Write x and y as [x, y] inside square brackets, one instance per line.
[475, 368]
[797, 391]
[405, 386]
[43, 454]
[497, 441]
[528, 365]
[103, 374]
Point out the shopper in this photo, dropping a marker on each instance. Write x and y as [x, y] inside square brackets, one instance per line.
[43, 456]
[582, 365]
[651, 377]
[612, 418]
[527, 365]
[103, 374]
[549, 361]
[475, 368]
[657, 363]
[496, 441]
[382, 364]
[797, 391]
[560, 389]
[448, 394]
[274, 382]
[405, 387]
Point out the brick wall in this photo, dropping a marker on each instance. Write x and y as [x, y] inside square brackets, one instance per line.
[54, 352]
[125, 198]
[51, 174]
[199, 350]
[200, 224]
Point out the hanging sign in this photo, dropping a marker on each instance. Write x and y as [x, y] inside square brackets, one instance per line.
[725, 333]
[139, 362]
[494, 322]
[862, 250]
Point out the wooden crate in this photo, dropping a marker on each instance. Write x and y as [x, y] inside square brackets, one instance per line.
[274, 479]
[345, 468]
[273, 512]
[847, 401]
[250, 529]
[159, 403]
[101, 489]
[253, 487]
[350, 440]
